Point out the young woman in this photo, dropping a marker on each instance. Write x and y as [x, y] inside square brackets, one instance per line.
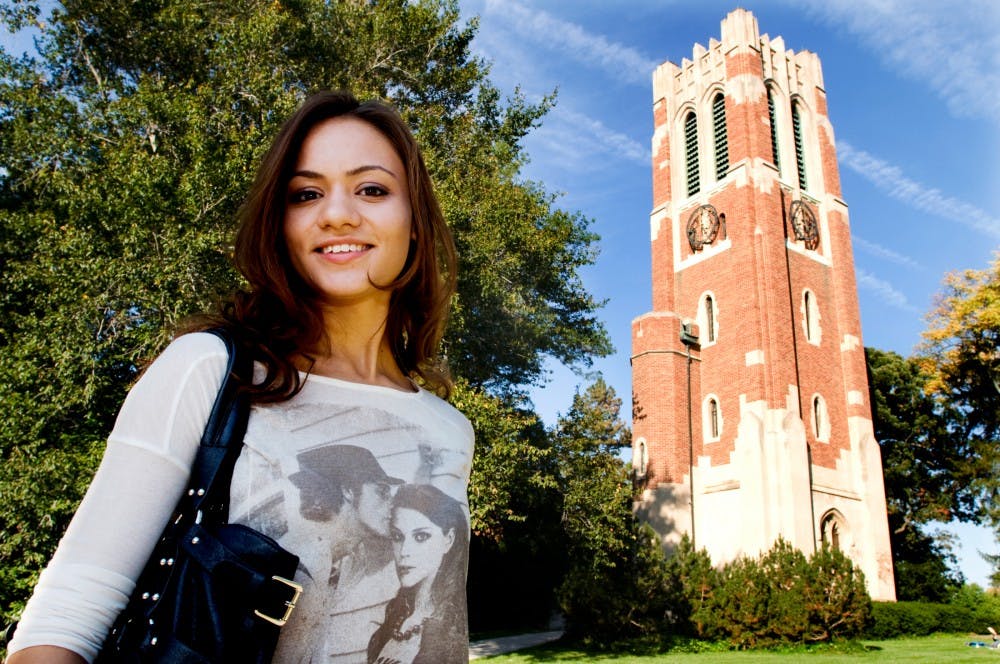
[429, 534]
[350, 269]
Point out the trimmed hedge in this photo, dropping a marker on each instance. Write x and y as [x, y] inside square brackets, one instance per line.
[895, 619]
[971, 609]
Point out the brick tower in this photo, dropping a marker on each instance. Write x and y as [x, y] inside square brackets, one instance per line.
[751, 409]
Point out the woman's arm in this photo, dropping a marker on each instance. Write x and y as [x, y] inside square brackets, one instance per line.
[144, 470]
[45, 655]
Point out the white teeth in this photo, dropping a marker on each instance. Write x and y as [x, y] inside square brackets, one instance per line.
[342, 248]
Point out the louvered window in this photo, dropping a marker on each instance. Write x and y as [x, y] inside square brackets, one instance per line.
[774, 130]
[721, 140]
[691, 153]
[800, 152]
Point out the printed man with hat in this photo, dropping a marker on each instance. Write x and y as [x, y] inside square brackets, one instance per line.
[345, 497]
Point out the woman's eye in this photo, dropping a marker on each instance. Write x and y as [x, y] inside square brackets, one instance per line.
[302, 196]
[421, 536]
[372, 190]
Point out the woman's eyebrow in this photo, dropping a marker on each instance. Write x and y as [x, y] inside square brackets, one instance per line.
[313, 175]
[369, 167]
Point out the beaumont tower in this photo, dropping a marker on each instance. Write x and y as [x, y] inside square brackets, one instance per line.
[751, 414]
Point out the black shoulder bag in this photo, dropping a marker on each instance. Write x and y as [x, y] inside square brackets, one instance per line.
[212, 591]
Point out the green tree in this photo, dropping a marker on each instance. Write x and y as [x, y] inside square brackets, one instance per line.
[961, 349]
[961, 353]
[597, 491]
[615, 582]
[928, 473]
[126, 144]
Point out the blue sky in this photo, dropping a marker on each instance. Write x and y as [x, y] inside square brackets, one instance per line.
[913, 88]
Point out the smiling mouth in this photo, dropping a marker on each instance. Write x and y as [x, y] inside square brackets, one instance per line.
[343, 248]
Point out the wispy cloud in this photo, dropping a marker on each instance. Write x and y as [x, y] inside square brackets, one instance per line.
[572, 41]
[879, 251]
[580, 143]
[890, 179]
[884, 291]
[951, 47]
[608, 140]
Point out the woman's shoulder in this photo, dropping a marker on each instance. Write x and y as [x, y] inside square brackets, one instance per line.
[447, 412]
[196, 360]
[195, 346]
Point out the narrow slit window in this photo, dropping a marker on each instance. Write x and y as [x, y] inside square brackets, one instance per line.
[818, 413]
[691, 153]
[713, 417]
[800, 152]
[721, 139]
[808, 305]
[709, 318]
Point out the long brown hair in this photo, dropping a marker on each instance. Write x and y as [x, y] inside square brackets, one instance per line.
[279, 316]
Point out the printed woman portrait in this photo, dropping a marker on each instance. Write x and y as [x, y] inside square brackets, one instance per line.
[425, 622]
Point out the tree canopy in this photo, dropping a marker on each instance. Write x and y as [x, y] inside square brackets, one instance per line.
[127, 142]
[961, 351]
[927, 474]
[961, 355]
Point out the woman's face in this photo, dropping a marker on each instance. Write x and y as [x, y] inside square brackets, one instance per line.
[347, 212]
[419, 546]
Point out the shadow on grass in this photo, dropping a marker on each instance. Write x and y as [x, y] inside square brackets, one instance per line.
[566, 650]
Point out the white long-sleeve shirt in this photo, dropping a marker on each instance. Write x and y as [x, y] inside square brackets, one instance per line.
[292, 450]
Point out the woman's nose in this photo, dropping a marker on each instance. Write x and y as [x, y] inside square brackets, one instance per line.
[339, 210]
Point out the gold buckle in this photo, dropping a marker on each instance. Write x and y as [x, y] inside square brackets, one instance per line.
[289, 605]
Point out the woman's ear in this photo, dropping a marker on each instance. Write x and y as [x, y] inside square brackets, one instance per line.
[450, 538]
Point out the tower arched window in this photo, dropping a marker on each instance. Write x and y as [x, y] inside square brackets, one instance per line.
[721, 138]
[834, 531]
[820, 419]
[808, 304]
[691, 153]
[800, 148]
[811, 318]
[711, 419]
[641, 460]
[772, 118]
[710, 318]
[708, 323]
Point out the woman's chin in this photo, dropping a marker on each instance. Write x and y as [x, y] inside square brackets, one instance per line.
[408, 577]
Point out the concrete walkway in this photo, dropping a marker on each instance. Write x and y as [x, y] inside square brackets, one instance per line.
[504, 644]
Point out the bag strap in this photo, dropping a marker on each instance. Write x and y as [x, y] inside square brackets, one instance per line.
[222, 441]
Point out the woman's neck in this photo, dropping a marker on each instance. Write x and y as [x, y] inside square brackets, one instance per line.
[356, 348]
[423, 607]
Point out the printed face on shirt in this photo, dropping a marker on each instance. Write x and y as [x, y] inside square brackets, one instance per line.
[419, 546]
[347, 214]
[374, 507]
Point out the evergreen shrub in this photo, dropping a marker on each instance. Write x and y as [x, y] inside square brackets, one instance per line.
[779, 598]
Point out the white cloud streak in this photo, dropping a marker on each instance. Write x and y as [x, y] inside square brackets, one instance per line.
[879, 251]
[573, 142]
[890, 179]
[885, 291]
[952, 47]
[573, 42]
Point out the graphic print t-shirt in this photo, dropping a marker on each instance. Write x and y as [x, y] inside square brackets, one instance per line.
[367, 485]
[320, 474]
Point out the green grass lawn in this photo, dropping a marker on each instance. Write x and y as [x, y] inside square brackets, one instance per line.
[948, 649]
